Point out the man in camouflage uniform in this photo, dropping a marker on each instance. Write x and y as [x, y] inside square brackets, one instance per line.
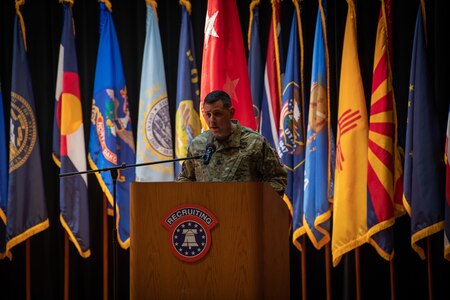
[242, 154]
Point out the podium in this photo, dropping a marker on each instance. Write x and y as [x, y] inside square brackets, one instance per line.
[248, 257]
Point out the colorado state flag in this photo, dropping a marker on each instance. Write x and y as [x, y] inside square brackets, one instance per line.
[111, 141]
[68, 141]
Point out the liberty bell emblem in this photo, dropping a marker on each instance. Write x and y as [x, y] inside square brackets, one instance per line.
[189, 238]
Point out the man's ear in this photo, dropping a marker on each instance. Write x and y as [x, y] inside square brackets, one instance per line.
[232, 112]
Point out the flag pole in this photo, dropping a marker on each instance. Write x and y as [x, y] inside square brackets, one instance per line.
[105, 248]
[66, 266]
[327, 269]
[392, 271]
[430, 274]
[27, 269]
[304, 283]
[357, 273]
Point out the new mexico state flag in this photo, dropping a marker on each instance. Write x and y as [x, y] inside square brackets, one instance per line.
[350, 192]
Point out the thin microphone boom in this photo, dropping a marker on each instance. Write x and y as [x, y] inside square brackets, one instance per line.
[125, 166]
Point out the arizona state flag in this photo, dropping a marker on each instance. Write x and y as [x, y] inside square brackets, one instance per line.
[291, 145]
[68, 141]
[350, 193]
[224, 63]
[255, 64]
[187, 119]
[26, 210]
[271, 102]
[3, 178]
[384, 166]
[319, 161]
[111, 141]
[424, 194]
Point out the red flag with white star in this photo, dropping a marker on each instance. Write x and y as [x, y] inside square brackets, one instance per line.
[224, 63]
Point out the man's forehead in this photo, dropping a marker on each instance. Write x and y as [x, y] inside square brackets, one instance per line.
[218, 105]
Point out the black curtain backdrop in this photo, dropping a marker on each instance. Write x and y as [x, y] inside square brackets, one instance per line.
[43, 21]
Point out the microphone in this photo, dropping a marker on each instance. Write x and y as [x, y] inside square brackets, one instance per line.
[210, 149]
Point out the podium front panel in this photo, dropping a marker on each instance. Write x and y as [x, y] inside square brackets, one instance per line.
[248, 256]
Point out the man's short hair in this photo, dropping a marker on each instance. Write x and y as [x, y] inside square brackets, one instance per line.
[218, 95]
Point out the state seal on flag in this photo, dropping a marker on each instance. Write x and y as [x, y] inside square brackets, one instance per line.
[157, 128]
[23, 131]
[189, 228]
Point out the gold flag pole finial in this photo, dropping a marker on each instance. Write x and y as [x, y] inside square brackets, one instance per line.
[107, 4]
[154, 5]
[253, 4]
[68, 1]
[19, 3]
[187, 4]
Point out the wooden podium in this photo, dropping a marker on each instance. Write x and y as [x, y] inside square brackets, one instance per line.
[249, 253]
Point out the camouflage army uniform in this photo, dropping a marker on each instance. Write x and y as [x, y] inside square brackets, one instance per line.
[244, 156]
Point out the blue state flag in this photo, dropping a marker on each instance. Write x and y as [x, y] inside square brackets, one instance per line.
[187, 119]
[154, 135]
[27, 209]
[319, 144]
[291, 143]
[3, 178]
[255, 62]
[423, 194]
[111, 141]
[68, 141]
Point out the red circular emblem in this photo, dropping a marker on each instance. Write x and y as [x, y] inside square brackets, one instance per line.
[189, 226]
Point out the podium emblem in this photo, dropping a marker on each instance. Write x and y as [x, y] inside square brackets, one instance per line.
[189, 228]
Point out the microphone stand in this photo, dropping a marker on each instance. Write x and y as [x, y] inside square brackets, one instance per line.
[114, 171]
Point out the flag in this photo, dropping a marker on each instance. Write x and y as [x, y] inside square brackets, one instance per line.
[384, 166]
[154, 136]
[111, 140]
[68, 141]
[27, 210]
[187, 120]
[350, 191]
[424, 194]
[3, 179]
[291, 145]
[447, 193]
[319, 161]
[255, 70]
[224, 62]
[271, 101]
